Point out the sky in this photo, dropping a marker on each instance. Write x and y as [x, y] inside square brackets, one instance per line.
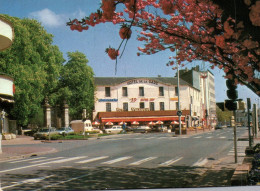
[53, 16]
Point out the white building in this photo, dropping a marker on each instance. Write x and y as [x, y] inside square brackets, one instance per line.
[151, 99]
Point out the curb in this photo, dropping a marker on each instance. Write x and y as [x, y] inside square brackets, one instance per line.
[33, 154]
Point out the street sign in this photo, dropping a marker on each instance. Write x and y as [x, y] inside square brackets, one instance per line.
[179, 113]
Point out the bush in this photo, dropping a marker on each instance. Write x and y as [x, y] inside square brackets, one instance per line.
[56, 137]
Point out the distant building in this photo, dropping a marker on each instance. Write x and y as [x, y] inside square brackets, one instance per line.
[153, 99]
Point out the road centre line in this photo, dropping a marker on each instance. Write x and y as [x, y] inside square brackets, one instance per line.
[40, 164]
[92, 159]
[117, 160]
[169, 162]
[25, 160]
[142, 161]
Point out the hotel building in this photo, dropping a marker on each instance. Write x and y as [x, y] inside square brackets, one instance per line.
[151, 99]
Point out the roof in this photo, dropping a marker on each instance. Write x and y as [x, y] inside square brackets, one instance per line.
[112, 81]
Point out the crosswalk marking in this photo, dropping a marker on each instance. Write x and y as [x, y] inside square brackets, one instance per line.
[44, 160]
[209, 137]
[117, 160]
[200, 162]
[142, 161]
[169, 162]
[197, 137]
[68, 159]
[25, 160]
[44, 163]
[92, 159]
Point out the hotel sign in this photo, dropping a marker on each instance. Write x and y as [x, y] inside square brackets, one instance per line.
[142, 81]
[133, 109]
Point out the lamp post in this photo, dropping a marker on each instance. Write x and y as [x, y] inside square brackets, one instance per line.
[179, 113]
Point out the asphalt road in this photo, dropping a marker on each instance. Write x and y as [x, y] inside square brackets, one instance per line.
[127, 161]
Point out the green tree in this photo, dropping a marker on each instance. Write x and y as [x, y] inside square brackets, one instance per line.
[35, 65]
[77, 85]
[223, 116]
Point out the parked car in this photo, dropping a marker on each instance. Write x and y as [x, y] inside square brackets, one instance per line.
[65, 130]
[44, 133]
[128, 128]
[159, 129]
[114, 129]
[142, 129]
[219, 127]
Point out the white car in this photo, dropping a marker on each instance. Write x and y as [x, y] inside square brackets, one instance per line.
[114, 129]
[65, 130]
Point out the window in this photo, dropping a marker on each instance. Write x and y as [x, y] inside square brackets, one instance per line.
[151, 106]
[125, 106]
[141, 105]
[108, 107]
[107, 90]
[141, 91]
[161, 106]
[176, 91]
[124, 91]
[161, 92]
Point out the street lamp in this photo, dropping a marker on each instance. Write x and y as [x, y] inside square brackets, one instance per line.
[179, 113]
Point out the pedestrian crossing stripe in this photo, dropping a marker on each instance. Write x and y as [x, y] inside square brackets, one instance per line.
[117, 160]
[44, 160]
[170, 162]
[201, 162]
[92, 159]
[142, 161]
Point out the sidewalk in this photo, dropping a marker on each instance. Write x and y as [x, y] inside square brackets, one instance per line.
[23, 146]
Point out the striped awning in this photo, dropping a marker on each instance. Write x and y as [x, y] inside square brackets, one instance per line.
[138, 119]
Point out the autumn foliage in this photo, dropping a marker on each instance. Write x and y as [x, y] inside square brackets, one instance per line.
[199, 29]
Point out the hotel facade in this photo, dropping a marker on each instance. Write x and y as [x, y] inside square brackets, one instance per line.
[147, 100]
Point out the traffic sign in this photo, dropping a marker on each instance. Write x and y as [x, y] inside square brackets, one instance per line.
[179, 113]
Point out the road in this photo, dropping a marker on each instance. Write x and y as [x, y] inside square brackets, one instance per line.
[127, 161]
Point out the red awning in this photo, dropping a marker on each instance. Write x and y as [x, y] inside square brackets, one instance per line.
[132, 119]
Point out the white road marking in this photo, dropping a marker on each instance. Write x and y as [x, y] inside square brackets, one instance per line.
[197, 137]
[170, 162]
[24, 160]
[92, 159]
[162, 137]
[45, 160]
[40, 164]
[142, 161]
[200, 162]
[117, 160]
[222, 137]
[209, 137]
[28, 181]
[149, 138]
